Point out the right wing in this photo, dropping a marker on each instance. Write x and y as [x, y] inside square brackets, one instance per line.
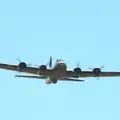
[91, 74]
[31, 70]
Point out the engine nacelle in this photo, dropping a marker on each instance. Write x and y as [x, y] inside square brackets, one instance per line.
[43, 68]
[77, 70]
[21, 66]
[96, 71]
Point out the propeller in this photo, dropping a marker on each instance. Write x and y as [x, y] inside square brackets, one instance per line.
[101, 67]
[97, 71]
[18, 59]
[77, 69]
[23, 64]
[48, 64]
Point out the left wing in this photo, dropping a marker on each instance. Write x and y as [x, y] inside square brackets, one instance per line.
[91, 74]
[31, 70]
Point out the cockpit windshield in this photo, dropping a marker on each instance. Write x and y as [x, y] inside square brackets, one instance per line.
[60, 61]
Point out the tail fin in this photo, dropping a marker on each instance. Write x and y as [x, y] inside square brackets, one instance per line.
[50, 62]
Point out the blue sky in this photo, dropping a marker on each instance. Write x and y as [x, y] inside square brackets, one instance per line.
[76, 31]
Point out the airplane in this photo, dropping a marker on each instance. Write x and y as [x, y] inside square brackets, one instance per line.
[59, 72]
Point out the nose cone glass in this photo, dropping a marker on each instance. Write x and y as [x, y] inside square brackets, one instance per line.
[60, 61]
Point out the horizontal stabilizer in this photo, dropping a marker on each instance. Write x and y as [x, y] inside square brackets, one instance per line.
[43, 77]
[71, 79]
[30, 76]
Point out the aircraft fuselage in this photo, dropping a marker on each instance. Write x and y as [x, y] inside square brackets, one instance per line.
[58, 71]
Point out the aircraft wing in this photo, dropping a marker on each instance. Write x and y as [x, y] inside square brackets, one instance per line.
[69, 74]
[31, 70]
[91, 74]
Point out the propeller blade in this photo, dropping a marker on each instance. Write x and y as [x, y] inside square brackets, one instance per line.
[90, 68]
[18, 59]
[78, 64]
[102, 67]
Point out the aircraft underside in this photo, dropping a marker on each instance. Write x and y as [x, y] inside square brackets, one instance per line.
[58, 72]
[50, 80]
